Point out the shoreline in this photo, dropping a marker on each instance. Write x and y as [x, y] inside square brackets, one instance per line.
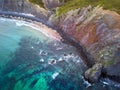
[64, 38]
[34, 21]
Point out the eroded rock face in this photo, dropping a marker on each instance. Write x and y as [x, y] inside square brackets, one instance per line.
[94, 73]
[98, 31]
[51, 4]
[11, 5]
[24, 6]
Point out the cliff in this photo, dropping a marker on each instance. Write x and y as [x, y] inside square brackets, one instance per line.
[98, 32]
[24, 6]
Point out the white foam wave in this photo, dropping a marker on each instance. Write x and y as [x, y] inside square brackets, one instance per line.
[107, 81]
[86, 82]
[28, 14]
[41, 60]
[2, 19]
[55, 75]
[20, 23]
[17, 22]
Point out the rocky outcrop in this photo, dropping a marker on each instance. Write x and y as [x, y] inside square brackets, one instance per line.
[51, 4]
[94, 73]
[24, 6]
[98, 32]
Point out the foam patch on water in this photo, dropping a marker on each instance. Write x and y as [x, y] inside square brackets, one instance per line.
[28, 14]
[2, 19]
[86, 83]
[20, 23]
[55, 75]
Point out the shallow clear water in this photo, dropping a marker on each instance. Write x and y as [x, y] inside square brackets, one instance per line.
[29, 60]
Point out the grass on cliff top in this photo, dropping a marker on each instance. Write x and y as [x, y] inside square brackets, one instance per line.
[38, 2]
[74, 4]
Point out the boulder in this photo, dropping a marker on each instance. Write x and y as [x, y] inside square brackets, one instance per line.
[93, 74]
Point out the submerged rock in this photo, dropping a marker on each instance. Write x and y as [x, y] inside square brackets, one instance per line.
[93, 74]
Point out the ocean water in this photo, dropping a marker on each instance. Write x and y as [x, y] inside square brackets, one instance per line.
[30, 60]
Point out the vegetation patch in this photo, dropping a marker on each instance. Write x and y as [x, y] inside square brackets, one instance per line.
[74, 4]
[107, 63]
[38, 2]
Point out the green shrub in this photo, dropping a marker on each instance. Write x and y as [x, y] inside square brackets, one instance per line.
[39, 2]
[74, 4]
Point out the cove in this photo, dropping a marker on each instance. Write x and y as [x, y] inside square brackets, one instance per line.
[32, 60]
[26, 56]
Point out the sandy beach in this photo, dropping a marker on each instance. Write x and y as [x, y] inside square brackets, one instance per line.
[35, 22]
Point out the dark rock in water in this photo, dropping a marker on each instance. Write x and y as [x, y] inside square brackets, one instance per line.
[93, 74]
[52, 62]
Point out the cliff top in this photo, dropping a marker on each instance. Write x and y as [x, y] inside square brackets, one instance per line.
[74, 4]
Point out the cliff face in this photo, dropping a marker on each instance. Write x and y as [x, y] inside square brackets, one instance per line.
[24, 6]
[27, 6]
[98, 31]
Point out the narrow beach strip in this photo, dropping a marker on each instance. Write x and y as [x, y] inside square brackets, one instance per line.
[38, 23]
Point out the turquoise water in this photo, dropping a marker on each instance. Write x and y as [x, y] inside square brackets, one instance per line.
[10, 34]
[29, 60]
